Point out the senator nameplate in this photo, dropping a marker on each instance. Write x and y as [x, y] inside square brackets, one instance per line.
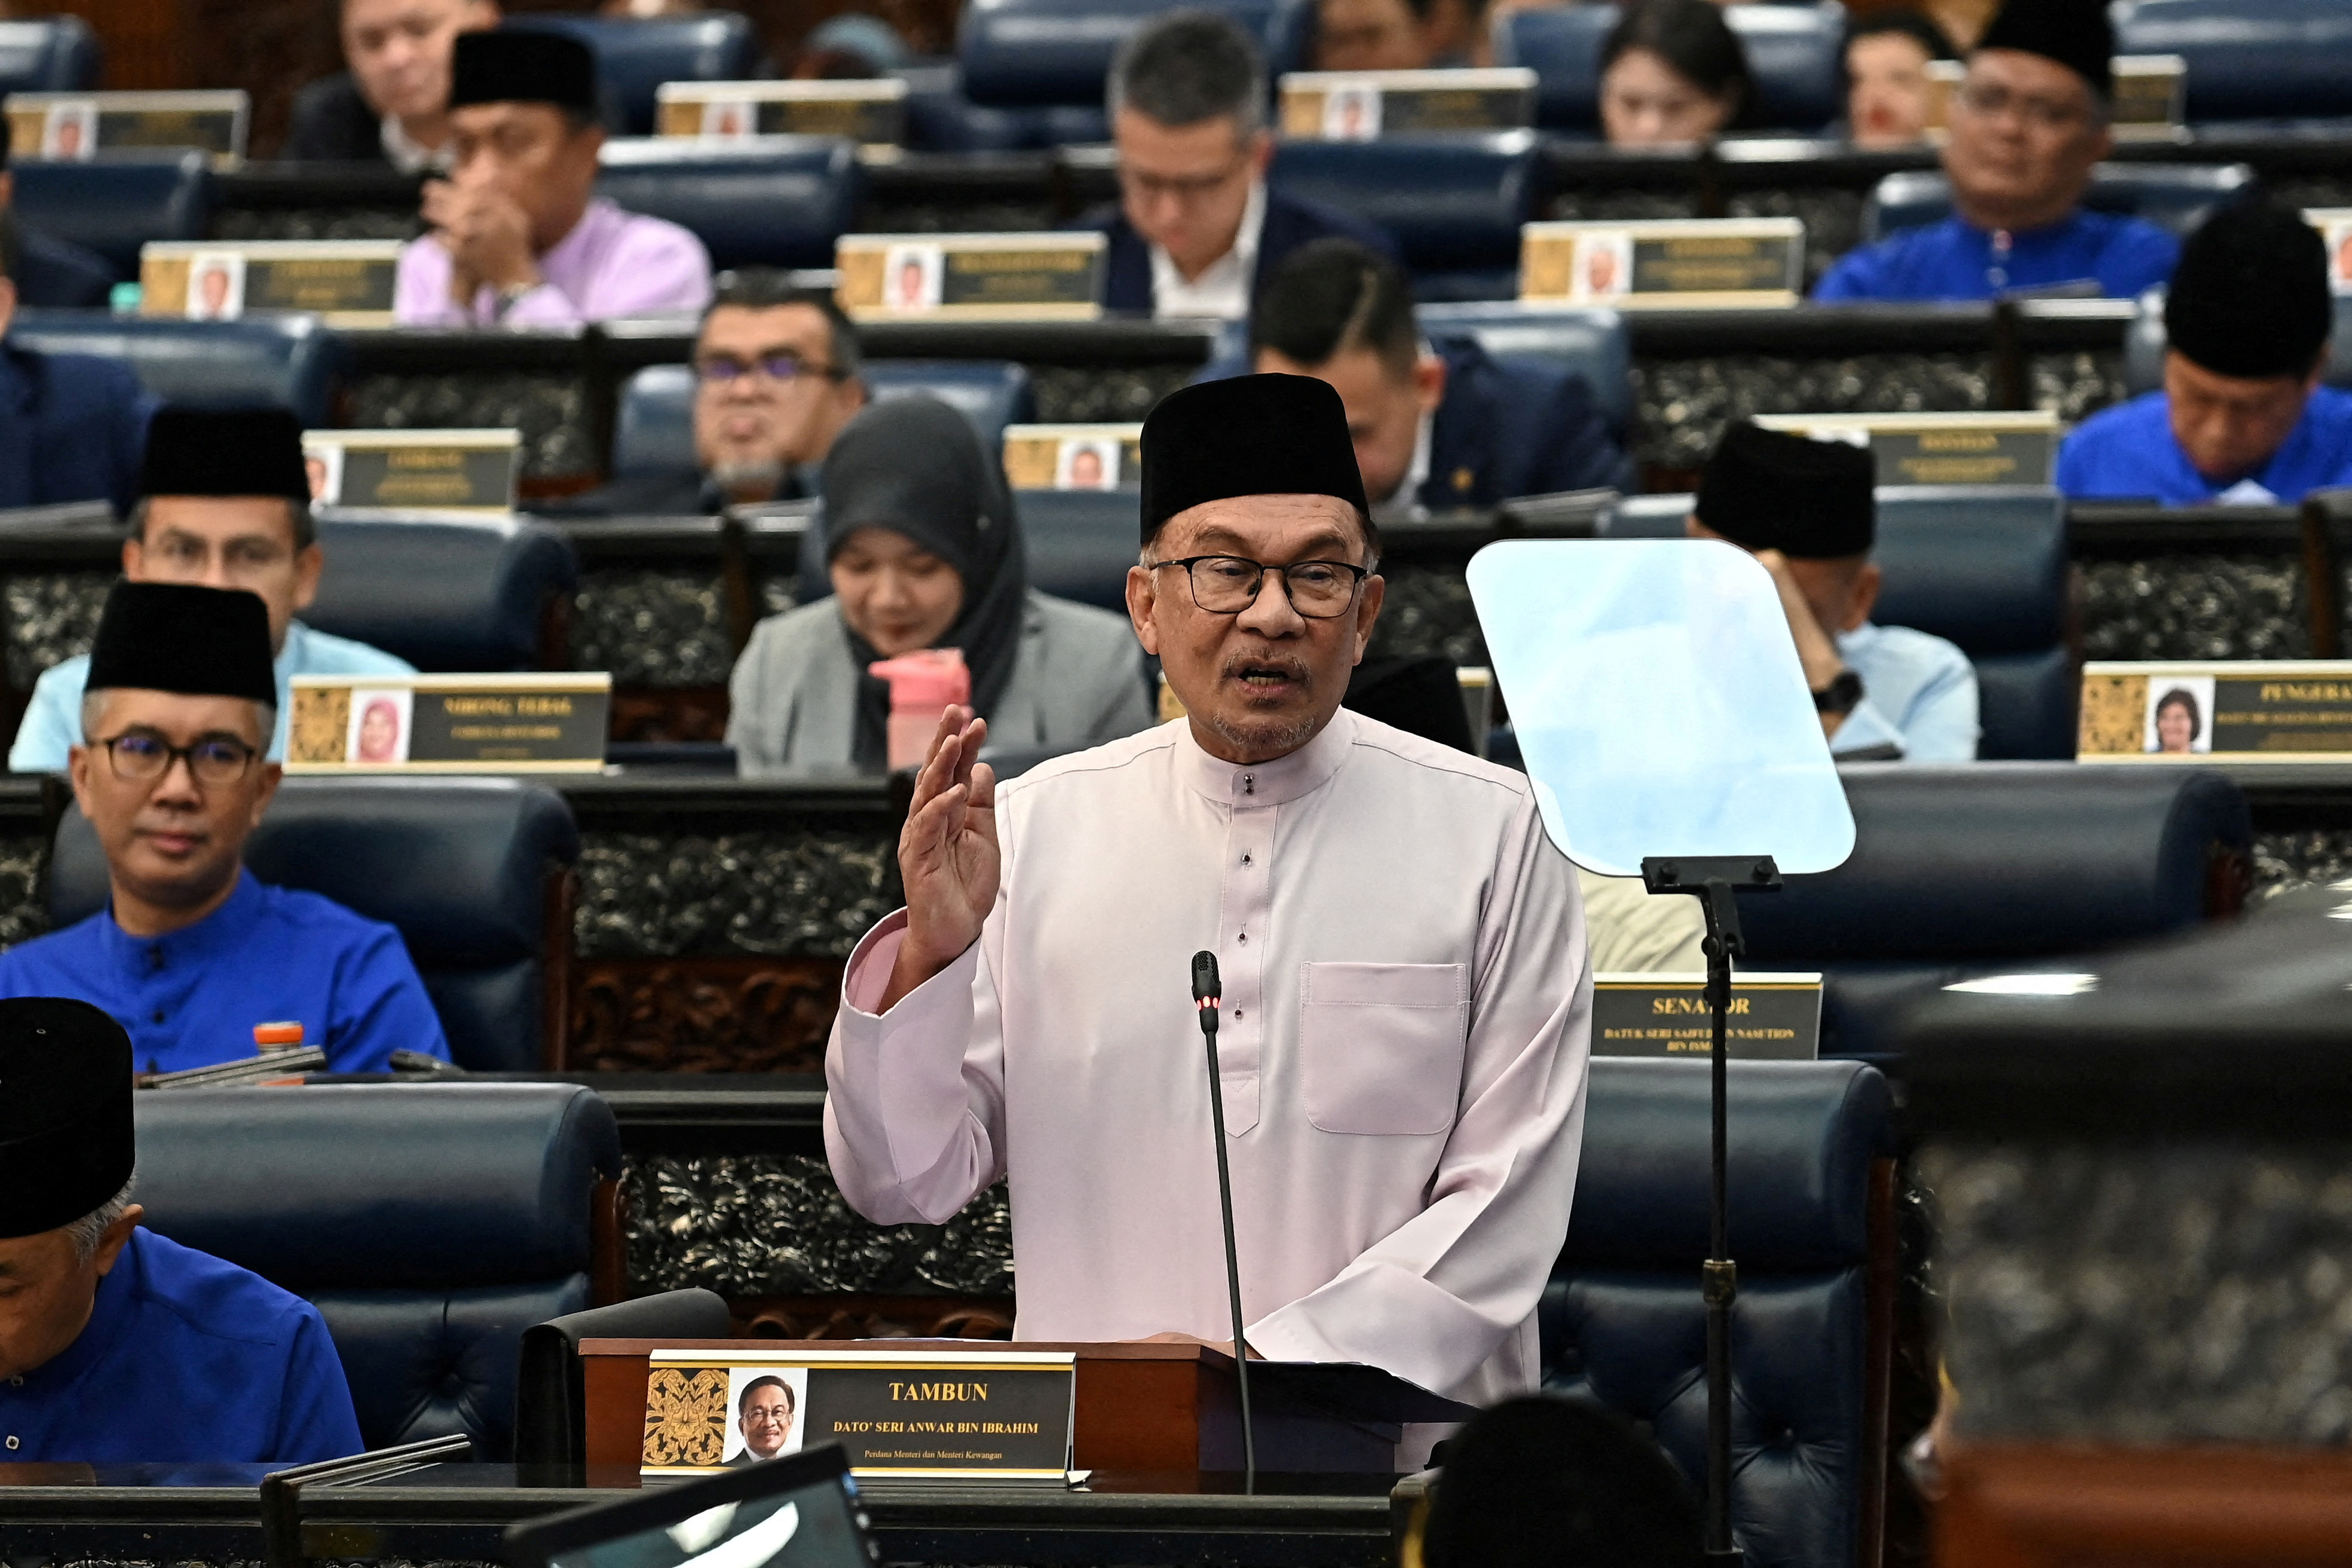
[982, 1414]
[1681, 263]
[449, 723]
[1773, 1016]
[2271, 710]
[2149, 103]
[871, 111]
[982, 277]
[410, 470]
[70, 127]
[1365, 106]
[1073, 457]
[2005, 448]
[348, 282]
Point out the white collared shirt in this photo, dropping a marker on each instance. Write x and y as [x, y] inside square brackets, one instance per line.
[1222, 289]
[1405, 506]
[409, 155]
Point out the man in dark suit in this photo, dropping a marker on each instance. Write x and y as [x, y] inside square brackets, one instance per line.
[72, 428]
[1436, 428]
[1197, 231]
[392, 106]
[49, 272]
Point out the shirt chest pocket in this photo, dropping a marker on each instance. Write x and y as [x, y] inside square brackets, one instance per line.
[1380, 1044]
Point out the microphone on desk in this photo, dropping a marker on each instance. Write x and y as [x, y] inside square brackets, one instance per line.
[1208, 997]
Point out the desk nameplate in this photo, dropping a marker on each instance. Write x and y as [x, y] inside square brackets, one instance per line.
[449, 723]
[411, 470]
[73, 127]
[2005, 448]
[1773, 1018]
[993, 277]
[1678, 263]
[2269, 711]
[1365, 106]
[871, 112]
[349, 282]
[1073, 457]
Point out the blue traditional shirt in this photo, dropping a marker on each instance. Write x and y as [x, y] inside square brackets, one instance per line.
[185, 1359]
[53, 719]
[190, 998]
[1951, 260]
[2128, 452]
[1918, 697]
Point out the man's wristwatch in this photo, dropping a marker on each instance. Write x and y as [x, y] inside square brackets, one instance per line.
[508, 297]
[1842, 696]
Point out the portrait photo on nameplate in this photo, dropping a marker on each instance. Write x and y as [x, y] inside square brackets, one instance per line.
[448, 723]
[1774, 1016]
[1685, 263]
[993, 276]
[346, 282]
[869, 112]
[1969, 449]
[1659, 704]
[1073, 457]
[2272, 711]
[1364, 106]
[472, 471]
[72, 127]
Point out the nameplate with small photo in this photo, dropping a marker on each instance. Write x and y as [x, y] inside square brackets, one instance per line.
[1678, 263]
[348, 282]
[1073, 457]
[2148, 105]
[2335, 226]
[967, 1415]
[987, 276]
[1773, 1016]
[2019, 449]
[872, 112]
[411, 470]
[448, 723]
[1365, 106]
[69, 127]
[2271, 711]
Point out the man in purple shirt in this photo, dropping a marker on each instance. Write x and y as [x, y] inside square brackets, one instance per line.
[517, 238]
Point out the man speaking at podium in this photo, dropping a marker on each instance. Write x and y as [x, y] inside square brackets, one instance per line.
[1406, 1007]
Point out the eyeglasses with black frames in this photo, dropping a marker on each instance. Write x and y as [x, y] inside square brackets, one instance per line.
[1228, 585]
[142, 756]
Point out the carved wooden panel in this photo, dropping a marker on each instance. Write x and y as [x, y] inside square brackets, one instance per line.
[727, 1014]
[872, 1316]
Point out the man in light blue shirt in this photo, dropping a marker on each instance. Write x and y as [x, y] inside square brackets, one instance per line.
[1808, 512]
[197, 521]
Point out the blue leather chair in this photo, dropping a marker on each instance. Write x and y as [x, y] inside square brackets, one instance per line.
[462, 866]
[776, 201]
[55, 54]
[2178, 196]
[116, 204]
[430, 1225]
[1455, 206]
[940, 119]
[1591, 342]
[2144, 345]
[1077, 544]
[1023, 53]
[1812, 1147]
[2248, 59]
[291, 361]
[459, 596]
[1796, 60]
[634, 58]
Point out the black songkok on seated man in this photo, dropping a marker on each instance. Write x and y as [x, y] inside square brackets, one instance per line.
[2250, 297]
[66, 1146]
[178, 636]
[1249, 436]
[1811, 500]
[2075, 33]
[517, 66]
[224, 452]
[1545, 1482]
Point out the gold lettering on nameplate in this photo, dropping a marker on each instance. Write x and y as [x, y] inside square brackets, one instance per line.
[936, 1392]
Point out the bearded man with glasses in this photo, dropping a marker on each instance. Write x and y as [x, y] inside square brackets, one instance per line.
[191, 951]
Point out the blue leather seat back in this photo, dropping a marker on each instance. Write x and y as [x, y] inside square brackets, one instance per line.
[1593, 343]
[289, 361]
[1454, 206]
[1561, 44]
[430, 1223]
[775, 201]
[55, 54]
[116, 204]
[636, 57]
[2144, 345]
[458, 866]
[1021, 53]
[940, 119]
[2248, 59]
[2176, 196]
[458, 595]
[1796, 56]
[654, 433]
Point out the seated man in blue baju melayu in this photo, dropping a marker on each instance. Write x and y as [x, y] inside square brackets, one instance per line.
[191, 953]
[116, 1345]
[1808, 512]
[224, 500]
[72, 426]
[2027, 125]
[2243, 418]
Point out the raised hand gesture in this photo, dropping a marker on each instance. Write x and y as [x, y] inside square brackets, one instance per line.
[947, 854]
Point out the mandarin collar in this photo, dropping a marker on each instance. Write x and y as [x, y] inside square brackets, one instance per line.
[1284, 779]
[217, 935]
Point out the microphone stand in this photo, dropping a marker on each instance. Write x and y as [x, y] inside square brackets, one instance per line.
[1209, 994]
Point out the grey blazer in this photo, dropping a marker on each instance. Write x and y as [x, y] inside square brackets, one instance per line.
[1077, 680]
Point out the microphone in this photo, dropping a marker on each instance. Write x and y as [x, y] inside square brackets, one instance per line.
[1208, 997]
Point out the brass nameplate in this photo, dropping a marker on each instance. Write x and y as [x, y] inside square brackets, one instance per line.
[999, 276]
[2019, 449]
[2272, 711]
[873, 113]
[1073, 457]
[2149, 104]
[970, 1415]
[1773, 1018]
[349, 282]
[410, 470]
[448, 723]
[2335, 226]
[1364, 106]
[1674, 262]
[71, 126]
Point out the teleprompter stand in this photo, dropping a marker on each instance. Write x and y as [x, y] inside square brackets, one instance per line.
[1713, 879]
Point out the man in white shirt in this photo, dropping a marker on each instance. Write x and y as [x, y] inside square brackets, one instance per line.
[1406, 1009]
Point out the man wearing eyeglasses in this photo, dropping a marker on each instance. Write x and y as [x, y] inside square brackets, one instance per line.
[191, 951]
[1405, 1009]
[2028, 124]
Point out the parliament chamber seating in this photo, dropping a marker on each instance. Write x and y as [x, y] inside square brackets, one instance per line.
[1455, 206]
[2248, 59]
[1812, 1148]
[940, 119]
[116, 204]
[1591, 343]
[1021, 54]
[2144, 345]
[636, 55]
[474, 873]
[1796, 59]
[53, 54]
[287, 361]
[550, 1396]
[460, 595]
[770, 201]
[1077, 544]
[430, 1223]
[2176, 196]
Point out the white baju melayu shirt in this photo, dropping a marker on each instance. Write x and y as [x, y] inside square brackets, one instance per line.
[1403, 1048]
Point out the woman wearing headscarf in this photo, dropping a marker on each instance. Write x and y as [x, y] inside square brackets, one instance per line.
[924, 551]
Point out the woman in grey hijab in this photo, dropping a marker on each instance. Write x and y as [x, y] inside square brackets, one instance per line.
[924, 550]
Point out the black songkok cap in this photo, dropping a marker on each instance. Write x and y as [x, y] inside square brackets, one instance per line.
[2074, 33]
[2250, 297]
[224, 452]
[66, 1138]
[1811, 500]
[520, 66]
[176, 636]
[1249, 436]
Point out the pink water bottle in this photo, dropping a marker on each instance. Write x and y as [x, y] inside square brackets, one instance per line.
[923, 685]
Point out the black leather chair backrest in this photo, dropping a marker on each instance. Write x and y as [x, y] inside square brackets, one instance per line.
[550, 1392]
[53, 54]
[2178, 196]
[463, 595]
[2144, 345]
[285, 362]
[770, 201]
[459, 866]
[2248, 59]
[636, 55]
[1017, 54]
[430, 1223]
[116, 204]
[1455, 206]
[1080, 544]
